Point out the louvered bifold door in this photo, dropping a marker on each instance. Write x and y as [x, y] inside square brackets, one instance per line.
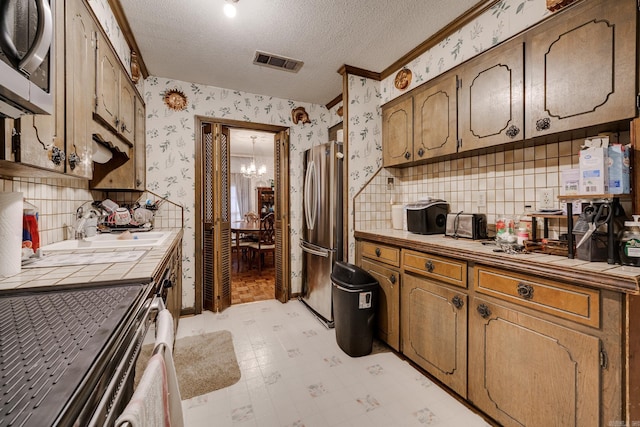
[283, 267]
[208, 293]
[222, 226]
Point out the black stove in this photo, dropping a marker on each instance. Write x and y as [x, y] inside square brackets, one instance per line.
[59, 349]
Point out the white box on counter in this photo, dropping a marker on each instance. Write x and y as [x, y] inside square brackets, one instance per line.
[570, 182]
[619, 169]
[594, 173]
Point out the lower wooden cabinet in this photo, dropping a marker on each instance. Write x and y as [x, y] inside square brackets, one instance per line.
[434, 329]
[388, 312]
[525, 371]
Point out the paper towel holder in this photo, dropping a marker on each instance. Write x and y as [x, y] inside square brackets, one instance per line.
[28, 207]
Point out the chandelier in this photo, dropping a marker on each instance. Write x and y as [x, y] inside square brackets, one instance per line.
[252, 171]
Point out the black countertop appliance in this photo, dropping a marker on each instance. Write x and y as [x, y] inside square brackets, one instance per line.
[427, 216]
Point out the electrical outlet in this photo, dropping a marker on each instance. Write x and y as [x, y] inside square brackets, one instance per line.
[545, 199]
[482, 199]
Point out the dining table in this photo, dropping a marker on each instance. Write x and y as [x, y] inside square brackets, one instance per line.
[239, 228]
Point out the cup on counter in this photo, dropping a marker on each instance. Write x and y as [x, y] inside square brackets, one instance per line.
[142, 215]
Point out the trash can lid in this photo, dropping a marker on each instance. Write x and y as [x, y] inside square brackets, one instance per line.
[351, 276]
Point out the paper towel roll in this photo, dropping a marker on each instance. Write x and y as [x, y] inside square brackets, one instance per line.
[10, 233]
[396, 216]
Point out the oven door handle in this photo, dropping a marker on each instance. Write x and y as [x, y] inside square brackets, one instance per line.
[41, 44]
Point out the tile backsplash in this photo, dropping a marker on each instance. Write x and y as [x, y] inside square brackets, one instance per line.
[510, 179]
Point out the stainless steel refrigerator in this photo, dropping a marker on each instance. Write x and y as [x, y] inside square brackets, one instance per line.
[323, 224]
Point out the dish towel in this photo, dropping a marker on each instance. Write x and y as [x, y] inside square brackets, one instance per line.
[164, 336]
[30, 231]
[149, 406]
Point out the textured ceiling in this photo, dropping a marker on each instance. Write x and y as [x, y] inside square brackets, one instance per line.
[193, 41]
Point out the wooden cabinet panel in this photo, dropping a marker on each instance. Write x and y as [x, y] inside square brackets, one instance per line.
[526, 371]
[435, 118]
[439, 268]
[581, 68]
[126, 109]
[388, 311]
[107, 84]
[492, 97]
[434, 330]
[81, 33]
[382, 253]
[140, 146]
[575, 303]
[397, 132]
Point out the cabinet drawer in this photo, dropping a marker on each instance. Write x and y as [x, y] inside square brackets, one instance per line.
[386, 254]
[574, 303]
[443, 269]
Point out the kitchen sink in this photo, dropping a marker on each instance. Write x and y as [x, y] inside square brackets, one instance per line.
[106, 241]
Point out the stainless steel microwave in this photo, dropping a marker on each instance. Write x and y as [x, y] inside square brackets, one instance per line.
[26, 57]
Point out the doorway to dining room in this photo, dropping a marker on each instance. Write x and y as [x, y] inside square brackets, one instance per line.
[219, 219]
[251, 198]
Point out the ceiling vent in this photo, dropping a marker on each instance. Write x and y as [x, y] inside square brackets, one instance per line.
[279, 62]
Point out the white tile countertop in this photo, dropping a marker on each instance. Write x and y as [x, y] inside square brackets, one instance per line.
[596, 274]
[110, 267]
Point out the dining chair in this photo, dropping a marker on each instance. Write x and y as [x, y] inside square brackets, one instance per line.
[266, 242]
[251, 217]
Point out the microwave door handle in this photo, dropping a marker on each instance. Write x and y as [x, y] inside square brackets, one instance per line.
[44, 34]
[6, 43]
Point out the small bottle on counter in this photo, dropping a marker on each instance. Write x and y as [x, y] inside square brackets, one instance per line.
[630, 243]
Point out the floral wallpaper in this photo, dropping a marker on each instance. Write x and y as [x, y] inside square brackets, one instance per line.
[171, 152]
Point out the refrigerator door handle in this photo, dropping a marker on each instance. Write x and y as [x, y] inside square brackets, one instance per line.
[310, 196]
[314, 250]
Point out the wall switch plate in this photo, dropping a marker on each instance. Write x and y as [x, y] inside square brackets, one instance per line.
[546, 199]
[482, 199]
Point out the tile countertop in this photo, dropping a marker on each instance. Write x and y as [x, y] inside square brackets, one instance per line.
[144, 269]
[594, 274]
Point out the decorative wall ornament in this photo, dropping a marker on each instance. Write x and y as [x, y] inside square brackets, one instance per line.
[340, 111]
[135, 68]
[403, 79]
[175, 99]
[299, 114]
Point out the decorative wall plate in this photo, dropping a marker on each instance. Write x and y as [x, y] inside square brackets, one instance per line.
[403, 79]
[175, 99]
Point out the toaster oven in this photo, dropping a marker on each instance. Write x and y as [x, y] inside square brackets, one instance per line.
[470, 226]
[427, 216]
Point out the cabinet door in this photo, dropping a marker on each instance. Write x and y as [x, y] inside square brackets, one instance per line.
[80, 85]
[388, 313]
[524, 371]
[397, 132]
[126, 109]
[435, 118]
[140, 146]
[581, 68]
[107, 84]
[492, 98]
[434, 330]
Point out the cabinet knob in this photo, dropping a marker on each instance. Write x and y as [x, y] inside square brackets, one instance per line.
[117, 122]
[457, 302]
[57, 156]
[429, 266]
[167, 283]
[543, 124]
[525, 291]
[513, 131]
[123, 127]
[392, 279]
[421, 152]
[484, 311]
[378, 252]
[74, 159]
[407, 155]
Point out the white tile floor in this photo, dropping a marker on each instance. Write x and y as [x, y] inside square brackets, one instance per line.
[295, 375]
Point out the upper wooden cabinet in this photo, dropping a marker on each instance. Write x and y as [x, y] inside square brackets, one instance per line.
[435, 118]
[492, 98]
[581, 68]
[422, 125]
[81, 33]
[397, 132]
[115, 94]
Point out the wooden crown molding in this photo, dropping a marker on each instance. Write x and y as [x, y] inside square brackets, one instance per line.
[348, 69]
[335, 101]
[121, 18]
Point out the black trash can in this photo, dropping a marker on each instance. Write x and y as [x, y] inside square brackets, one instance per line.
[355, 295]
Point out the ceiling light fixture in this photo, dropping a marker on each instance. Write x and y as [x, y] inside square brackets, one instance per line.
[251, 171]
[230, 8]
